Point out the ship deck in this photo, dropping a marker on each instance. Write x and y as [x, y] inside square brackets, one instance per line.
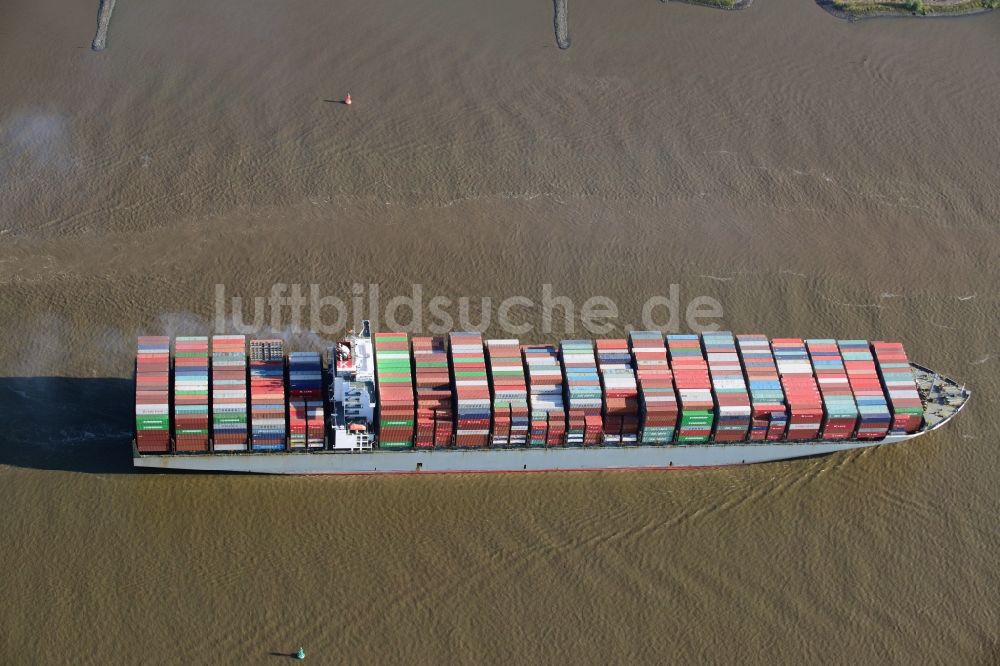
[943, 399]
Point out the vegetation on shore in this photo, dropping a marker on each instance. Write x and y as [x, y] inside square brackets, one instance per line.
[869, 8]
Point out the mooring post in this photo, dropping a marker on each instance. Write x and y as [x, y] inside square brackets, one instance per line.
[561, 23]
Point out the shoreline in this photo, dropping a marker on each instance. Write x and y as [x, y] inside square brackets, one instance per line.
[726, 5]
[853, 10]
[103, 21]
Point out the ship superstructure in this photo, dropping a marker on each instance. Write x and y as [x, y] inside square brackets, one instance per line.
[351, 369]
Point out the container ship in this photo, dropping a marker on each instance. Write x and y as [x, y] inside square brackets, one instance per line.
[383, 402]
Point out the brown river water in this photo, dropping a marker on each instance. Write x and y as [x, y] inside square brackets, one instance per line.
[815, 177]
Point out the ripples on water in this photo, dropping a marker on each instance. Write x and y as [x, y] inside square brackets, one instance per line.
[818, 178]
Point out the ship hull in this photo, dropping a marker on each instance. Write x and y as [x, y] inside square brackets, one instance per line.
[438, 461]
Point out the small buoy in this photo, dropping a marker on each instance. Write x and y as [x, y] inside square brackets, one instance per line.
[347, 100]
[301, 654]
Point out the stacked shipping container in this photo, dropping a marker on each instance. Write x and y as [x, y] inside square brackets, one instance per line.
[297, 423]
[472, 391]
[874, 418]
[229, 393]
[897, 379]
[769, 418]
[729, 387]
[694, 388]
[583, 393]
[434, 394]
[620, 393]
[306, 415]
[545, 386]
[394, 380]
[840, 411]
[817, 389]
[805, 407]
[191, 394]
[152, 395]
[267, 395]
[655, 382]
[509, 392]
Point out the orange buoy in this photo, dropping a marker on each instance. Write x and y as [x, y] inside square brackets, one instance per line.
[347, 100]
